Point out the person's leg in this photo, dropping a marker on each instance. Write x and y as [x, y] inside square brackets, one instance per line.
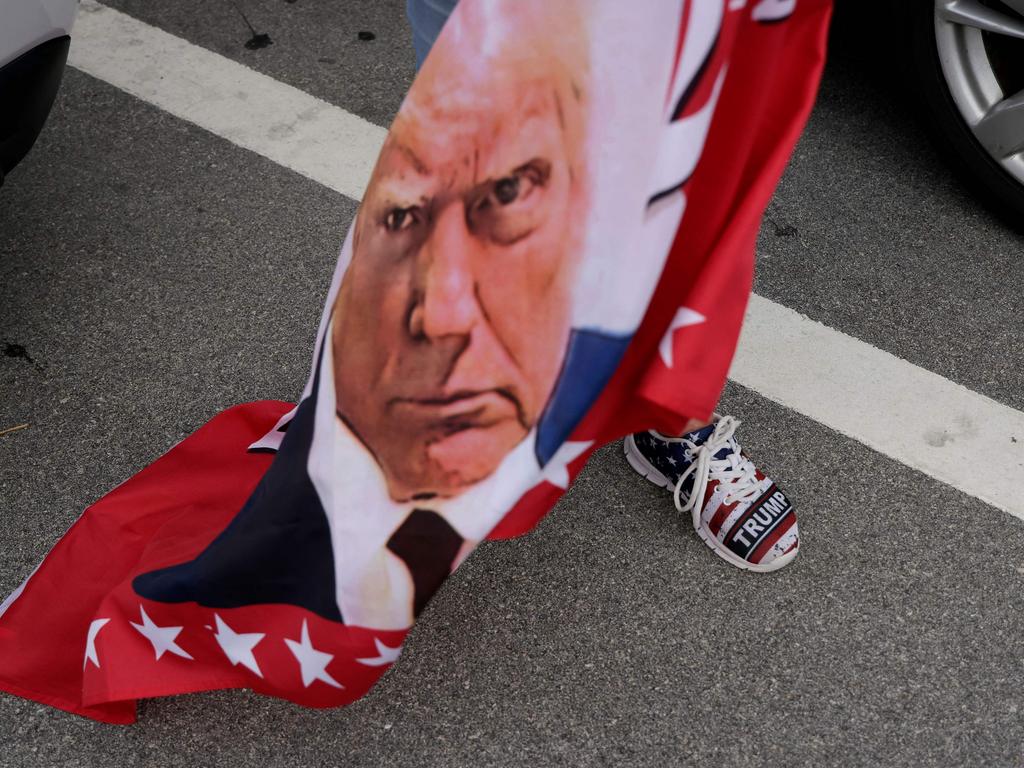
[694, 424]
[427, 18]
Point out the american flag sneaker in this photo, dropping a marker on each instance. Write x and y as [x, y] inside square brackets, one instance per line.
[738, 512]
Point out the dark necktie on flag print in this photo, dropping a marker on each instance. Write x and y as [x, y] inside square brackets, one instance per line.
[218, 566]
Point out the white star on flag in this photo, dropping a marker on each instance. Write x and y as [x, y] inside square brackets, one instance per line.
[684, 317]
[162, 638]
[386, 655]
[238, 646]
[556, 471]
[312, 663]
[90, 642]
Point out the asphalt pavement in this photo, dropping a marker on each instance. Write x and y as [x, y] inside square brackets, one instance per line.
[152, 274]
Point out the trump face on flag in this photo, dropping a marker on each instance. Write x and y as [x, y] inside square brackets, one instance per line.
[452, 320]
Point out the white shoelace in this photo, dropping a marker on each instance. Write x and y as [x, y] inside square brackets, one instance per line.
[736, 473]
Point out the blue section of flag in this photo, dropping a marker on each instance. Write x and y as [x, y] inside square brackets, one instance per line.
[590, 360]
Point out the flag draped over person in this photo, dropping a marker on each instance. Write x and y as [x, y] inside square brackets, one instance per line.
[555, 249]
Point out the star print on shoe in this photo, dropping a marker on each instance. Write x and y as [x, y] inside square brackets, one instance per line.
[738, 512]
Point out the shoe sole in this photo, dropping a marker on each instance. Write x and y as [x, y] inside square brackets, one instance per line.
[644, 468]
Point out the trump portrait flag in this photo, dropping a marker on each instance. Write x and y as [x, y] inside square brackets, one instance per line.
[555, 250]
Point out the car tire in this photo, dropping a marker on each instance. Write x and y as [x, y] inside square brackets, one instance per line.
[28, 87]
[965, 154]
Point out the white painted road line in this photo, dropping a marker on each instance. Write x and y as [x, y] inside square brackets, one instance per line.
[908, 413]
[917, 417]
[282, 123]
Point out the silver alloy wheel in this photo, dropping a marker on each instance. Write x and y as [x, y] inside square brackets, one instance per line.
[990, 104]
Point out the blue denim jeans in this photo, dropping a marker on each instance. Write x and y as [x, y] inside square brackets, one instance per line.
[427, 17]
